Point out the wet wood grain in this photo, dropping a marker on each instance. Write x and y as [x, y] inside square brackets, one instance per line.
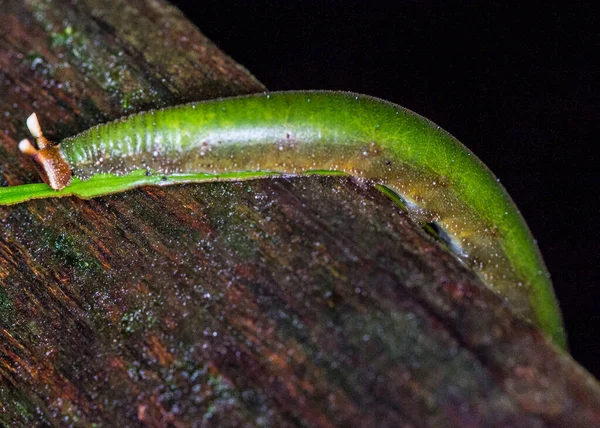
[282, 302]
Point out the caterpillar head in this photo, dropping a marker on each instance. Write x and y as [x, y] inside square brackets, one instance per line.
[51, 164]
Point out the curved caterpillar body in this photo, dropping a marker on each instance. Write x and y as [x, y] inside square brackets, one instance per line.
[438, 178]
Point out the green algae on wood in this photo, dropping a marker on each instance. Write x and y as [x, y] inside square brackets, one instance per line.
[288, 349]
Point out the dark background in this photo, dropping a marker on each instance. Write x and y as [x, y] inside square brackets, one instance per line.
[512, 82]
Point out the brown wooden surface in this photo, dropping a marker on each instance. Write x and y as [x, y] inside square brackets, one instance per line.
[293, 301]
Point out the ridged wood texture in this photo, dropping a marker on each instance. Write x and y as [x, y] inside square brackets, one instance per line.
[278, 302]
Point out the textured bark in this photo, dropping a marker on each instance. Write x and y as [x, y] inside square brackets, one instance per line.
[292, 301]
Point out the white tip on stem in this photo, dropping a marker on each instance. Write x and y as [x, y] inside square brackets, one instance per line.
[26, 147]
[34, 126]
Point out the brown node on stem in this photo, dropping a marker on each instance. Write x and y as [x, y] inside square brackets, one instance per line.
[50, 162]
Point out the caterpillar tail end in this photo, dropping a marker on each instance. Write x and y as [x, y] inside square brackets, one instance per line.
[50, 162]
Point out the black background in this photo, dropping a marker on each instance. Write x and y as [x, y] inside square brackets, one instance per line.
[512, 82]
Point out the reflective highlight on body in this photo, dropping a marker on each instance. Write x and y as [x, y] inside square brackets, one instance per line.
[438, 179]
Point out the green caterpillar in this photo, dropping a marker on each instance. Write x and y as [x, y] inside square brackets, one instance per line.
[438, 179]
